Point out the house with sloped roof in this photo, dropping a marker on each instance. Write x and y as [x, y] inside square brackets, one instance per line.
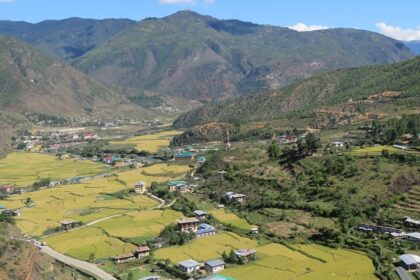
[200, 214]
[205, 230]
[214, 266]
[189, 266]
[188, 224]
[123, 258]
[413, 237]
[142, 251]
[410, 261]
[184, 156]
[246, 255]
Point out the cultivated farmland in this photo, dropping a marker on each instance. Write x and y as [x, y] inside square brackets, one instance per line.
[87, 201]
[23, 168]
[276, 261]
[150, 142]
[203, 249]
[82, 243]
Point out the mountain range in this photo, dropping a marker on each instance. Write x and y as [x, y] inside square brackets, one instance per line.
[400, 81]
[66, 39]
[196, 57]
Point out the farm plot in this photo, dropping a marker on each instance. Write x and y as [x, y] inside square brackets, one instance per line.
[139, 225]
[23, 168]
[150, 142]
[275, 261]
[88, 201]
[203, 249]
[87, 243]
[230, 218]
[82, 202]
[101, 238]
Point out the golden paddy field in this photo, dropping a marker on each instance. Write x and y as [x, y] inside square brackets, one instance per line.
[87, 201]
[25, 168]
[102, 238]
[150, 142]
[275, 261]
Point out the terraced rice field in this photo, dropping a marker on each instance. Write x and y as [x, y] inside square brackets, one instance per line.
[141, 225]
[275, 261]
[150, 142]
[88, 201]
[205, 248]
[410, 205]
[103, 237]
[25, 168]
[81, 244]
[230, 218]
[374, 150]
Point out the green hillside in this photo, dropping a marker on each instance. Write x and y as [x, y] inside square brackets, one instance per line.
[199, 57]
[68, 38]
[322, 91]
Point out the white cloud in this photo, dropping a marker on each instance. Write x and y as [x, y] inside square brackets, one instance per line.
[398, 33]
[208, 3]
[303, 27]
[175, 1]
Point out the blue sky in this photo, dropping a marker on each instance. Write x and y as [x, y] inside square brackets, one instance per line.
[396, 18]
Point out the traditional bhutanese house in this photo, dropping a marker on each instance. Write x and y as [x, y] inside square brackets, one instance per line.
[201, 215]
[6, 189]
[188, 224]
[68, 224]
[246, 254]
[218, 277]
[140, 187]
[123, 258]
[412, 222]
[177, 185]
[184, 156]
[413, 237]
[205, 230]
[188, 266]
[201, 159]
[410, 261]
[235, 197]
[142, 251]
[214, 266]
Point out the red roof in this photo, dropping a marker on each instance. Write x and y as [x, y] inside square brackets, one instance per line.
[142, 249]
[5, 187]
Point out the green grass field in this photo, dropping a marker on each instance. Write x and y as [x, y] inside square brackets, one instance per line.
[230, 219]
[24, 168]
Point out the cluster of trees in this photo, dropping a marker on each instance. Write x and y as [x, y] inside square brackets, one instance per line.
[304, 147]
[234, 259]
[173, 236]
[44, 182]
[391, 131]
